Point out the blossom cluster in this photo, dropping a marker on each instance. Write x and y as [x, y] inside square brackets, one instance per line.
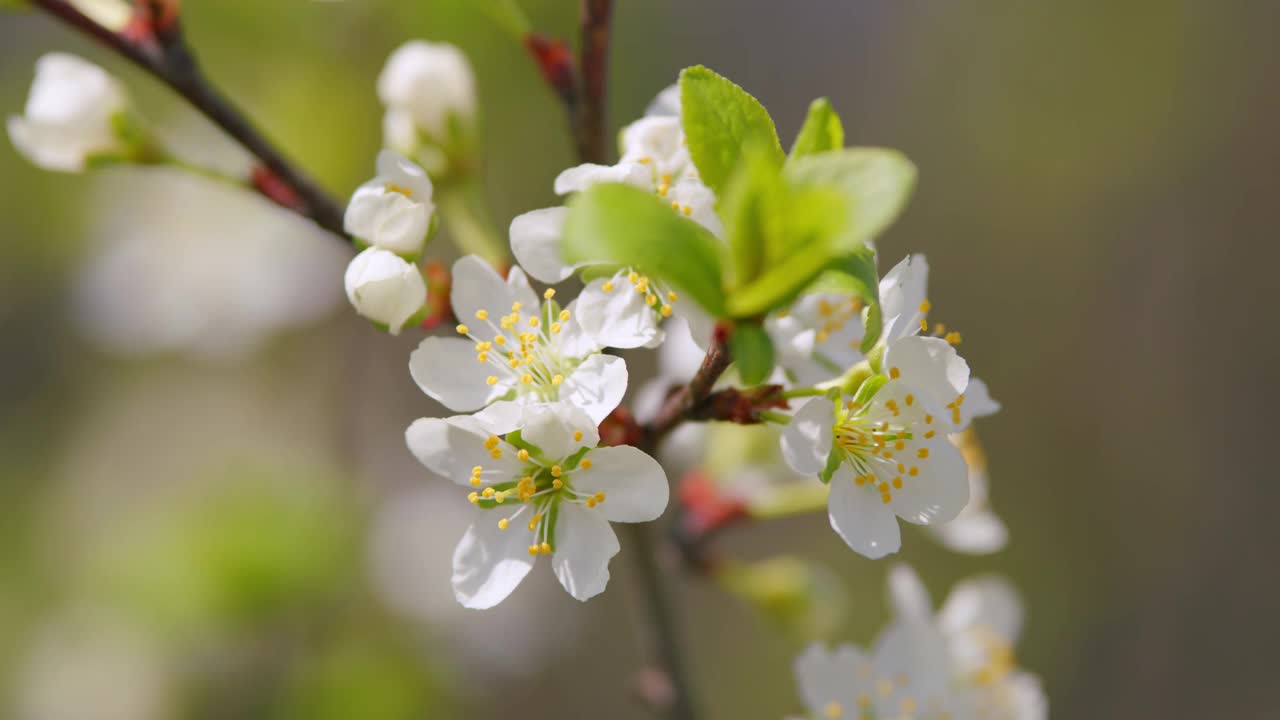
[959, 664]
[868, 395]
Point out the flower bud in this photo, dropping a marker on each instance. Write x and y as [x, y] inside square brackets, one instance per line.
[432, 83]
[73, 115]
[385, 288]
[394, 210]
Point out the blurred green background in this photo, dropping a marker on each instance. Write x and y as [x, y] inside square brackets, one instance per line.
[243, 534]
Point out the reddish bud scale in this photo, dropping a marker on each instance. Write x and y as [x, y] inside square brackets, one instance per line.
[555, 62]
[620, 428]
[275, 189]
[439, 283]
[706, 509]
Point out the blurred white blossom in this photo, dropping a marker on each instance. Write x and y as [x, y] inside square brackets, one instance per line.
[70, 114]
[91, 665]
[182, 264]
[425, 86]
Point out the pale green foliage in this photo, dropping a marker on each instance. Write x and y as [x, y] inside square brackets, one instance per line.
[752, 353]
[720, 120]
[822, 131]
[627, 226]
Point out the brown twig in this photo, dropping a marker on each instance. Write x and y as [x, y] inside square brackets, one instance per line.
[159, 48]
[686, 402]
[582, 87]
[597, 16]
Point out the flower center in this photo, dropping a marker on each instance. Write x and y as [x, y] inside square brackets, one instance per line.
[659, 299]
[526, 350]
[538, 492]
[881, 444]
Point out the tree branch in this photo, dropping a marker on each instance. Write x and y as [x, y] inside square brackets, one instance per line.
[597, 16]
[161, 50]
[688, 401]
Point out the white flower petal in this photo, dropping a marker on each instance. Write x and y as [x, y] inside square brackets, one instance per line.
[581, 177]
[385, 288]
[447, 370]
[908, 595]
[489, 563]
[977, 533]
[478, 287]
[551, 427]
[905, 286]
[931, 366]
[940, 491]
[825, 677]
[619, 318]
[521, 292]
[977, 402]
[806, 441]
[403, 172]
[452, 447]
[584, 545]
[596, 386]
[989, 603]
[701, 324]
[502, 416]
[535, 241]
[860, 518]
[918, 651]
[634, 484]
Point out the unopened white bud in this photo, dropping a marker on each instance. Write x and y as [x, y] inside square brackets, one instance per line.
[431, 82]
[385, 288]
[71, 115]
[393, 211]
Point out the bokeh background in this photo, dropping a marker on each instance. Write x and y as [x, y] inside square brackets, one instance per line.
[201, 517]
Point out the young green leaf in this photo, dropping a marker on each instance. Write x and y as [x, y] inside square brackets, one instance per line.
[876, 183]
[822, 131]
[808, 223]
[753, 212]
[752, 352]
[630, 227]
[720, 119]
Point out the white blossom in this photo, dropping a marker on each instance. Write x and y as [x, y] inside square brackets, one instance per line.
[554, 493]
[848, 683]
[69, 114]
[518, 352]
[394, 210]
[894, 458]
[179, 264]
[970, 644]
[385, 288]
[818, 337]
[430, 84]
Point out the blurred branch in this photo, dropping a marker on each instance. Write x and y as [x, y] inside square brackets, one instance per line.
[155, 42]
[581, 87]
[597, 16]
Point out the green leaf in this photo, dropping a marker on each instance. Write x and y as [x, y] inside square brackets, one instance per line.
[628, 226]
[875, 182]
[720, 120]
[808, 223]
[751, 208]
[822, 131]
[752, 352]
